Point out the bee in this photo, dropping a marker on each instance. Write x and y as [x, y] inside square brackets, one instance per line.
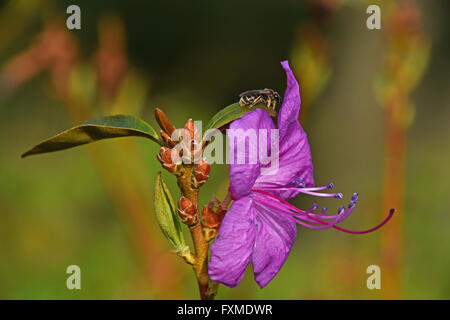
[266, 96]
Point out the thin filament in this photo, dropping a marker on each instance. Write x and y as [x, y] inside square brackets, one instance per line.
[325, 224]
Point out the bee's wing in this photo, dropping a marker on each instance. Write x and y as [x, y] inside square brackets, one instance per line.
[252, 93]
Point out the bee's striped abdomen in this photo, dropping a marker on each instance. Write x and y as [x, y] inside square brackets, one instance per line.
[247, 100]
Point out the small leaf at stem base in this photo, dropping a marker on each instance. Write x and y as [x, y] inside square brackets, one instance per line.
[166, 215]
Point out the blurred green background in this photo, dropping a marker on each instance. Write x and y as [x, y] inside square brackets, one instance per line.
[375, 105]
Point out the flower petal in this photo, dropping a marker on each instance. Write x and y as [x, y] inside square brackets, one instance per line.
[295, 161]
[295, 156]
[290, 107]
[231, 251]
[275, 235]
[244, 174]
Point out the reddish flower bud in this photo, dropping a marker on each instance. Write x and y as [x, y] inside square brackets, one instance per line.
[197, 151]
[170, 159]
[192, 151]
[189, 126]
[167, 139]
[211, 222]
[197, 135]
[164, 122]
[210, 218]
[201, 172]
[187, 211]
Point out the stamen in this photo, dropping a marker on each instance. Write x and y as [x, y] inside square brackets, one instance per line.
[322, 213]
[317, 194]
[300, 186]
[328, 186]
[299, 183]
[343, 213]
[305, 215]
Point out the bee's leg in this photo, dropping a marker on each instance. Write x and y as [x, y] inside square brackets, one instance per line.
[274, 104]
[255, 102]
[269, 103]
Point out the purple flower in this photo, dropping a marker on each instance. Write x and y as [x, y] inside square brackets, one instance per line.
[261, 226]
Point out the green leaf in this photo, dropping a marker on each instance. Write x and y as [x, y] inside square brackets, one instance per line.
[97, 129]
[231, 113]
[166, 215]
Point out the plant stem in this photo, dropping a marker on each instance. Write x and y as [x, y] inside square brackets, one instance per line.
[201, 261]
[201, 246]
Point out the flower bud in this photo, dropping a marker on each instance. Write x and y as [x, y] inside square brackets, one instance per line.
[187, 211]
[189, 126]
[170, 159]
[164, 122]
[197, 135]
[167, 139]
[211, 221]
[201, 172]
[195, 143]
[197, 151]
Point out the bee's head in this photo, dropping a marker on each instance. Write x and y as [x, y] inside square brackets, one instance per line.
[277, 97]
